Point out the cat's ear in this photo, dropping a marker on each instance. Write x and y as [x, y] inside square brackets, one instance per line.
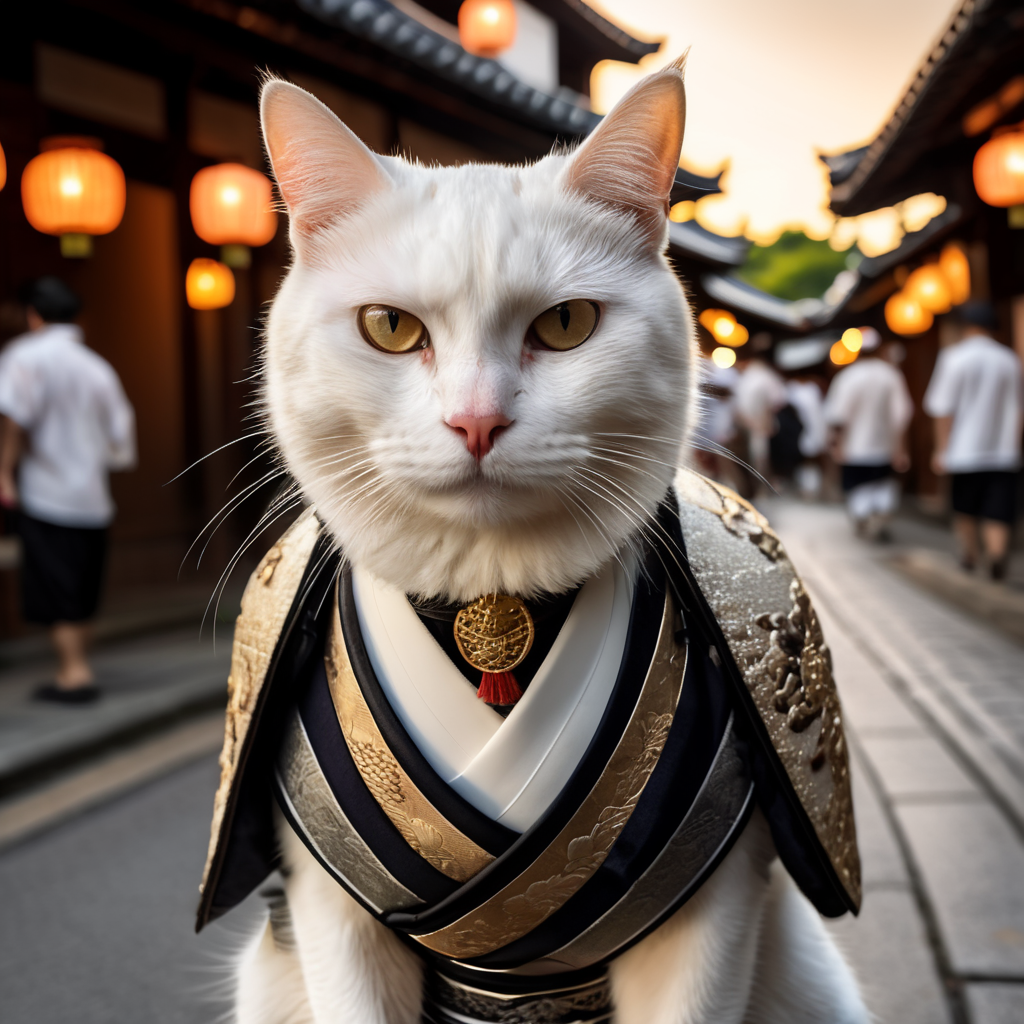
[323, 170]
[629, 161]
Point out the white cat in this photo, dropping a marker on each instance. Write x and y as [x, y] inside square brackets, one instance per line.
[459, 455]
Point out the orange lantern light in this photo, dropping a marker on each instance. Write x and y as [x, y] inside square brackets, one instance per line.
[928, 285]
[999, 169]
[231, 205]
[3, 168]
[209, 284]
[905, 315]
[487, 27]
[73, 190]
[957, 272]
[842, 355]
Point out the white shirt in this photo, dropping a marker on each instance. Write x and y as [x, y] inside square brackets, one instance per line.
[79, 423]
[511, 768]
[759, 394]
[870, 401]
[978, 383]
[805, 396]
[716, 411]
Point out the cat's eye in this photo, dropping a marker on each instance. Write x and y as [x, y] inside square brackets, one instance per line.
[392, 330]
[566, 325]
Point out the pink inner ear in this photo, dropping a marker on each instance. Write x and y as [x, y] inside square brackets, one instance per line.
[630, 160]
[323, 170]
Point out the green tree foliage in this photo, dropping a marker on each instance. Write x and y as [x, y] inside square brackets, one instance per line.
[793, 267]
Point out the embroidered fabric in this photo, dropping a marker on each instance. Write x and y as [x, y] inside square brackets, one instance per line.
[510, 769]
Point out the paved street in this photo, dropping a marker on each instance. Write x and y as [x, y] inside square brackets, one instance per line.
[97, 910]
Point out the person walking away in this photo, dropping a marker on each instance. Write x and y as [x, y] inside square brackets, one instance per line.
[805, 395]
[975, 397]
[868, 410]
[760, 393]
[68, 423]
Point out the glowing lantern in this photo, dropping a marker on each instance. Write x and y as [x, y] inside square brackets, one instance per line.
[928, 285]
[852, 340]
[231, 206]
[957, 272]
[723, 327]
[905, 315]
[3, 168]
[841, 354]
[999, 170]
[73, 190]
[209, 284]
[487, 27]
[723, 358]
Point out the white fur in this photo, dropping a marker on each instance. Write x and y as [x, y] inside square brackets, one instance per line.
[477, 252]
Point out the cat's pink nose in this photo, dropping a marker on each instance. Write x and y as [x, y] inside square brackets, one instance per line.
[480, 431]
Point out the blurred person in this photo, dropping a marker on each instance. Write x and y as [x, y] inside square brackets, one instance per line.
[760, 394]
[715, 438]
[868, 410]
[68, 423]
[975, 397]
[805, 396]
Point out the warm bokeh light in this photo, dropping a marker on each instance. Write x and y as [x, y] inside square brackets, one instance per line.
[723, 327]
[852, 339]
[682, 212]
[73, 190]
[769, 86]
[209, 284]
[841, 355]
[231, 204]
[487, 27]
[720, 214]
[724, 357]
[3, 168]
[957, 271]
[905, 315]
[999, 170]
[917, 211]
[879, 231]
[928, 285]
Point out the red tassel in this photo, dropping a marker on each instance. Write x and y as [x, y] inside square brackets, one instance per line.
[499, 688]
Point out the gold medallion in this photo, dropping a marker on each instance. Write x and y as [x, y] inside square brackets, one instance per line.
[494, 633]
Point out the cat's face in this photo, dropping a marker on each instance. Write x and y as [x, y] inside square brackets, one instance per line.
[480, 376]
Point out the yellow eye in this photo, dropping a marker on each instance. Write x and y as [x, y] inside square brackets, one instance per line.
[567, 325]
[392, 330]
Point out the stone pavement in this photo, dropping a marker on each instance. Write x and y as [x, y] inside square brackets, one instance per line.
[148, 682]
[934, 706]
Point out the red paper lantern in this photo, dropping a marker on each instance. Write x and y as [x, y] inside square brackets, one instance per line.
[209, 284]
[999, 170]
[905, 315]
[487, 27]
[231, 204]
[73, 190]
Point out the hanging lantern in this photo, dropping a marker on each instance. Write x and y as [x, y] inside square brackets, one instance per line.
[231, 206]
[928, 285]
[724, 328]
[999, 169]
[487, 27]
[841, 354]
[905, 315]
[852, 340]
[209, 284]
[723, 358]
[957, 272]
[73, 190]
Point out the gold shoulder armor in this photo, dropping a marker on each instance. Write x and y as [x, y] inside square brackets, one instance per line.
[267, 599]
[775, 638]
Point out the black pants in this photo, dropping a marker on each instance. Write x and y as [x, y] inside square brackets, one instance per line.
[61, 570]
[989, 494]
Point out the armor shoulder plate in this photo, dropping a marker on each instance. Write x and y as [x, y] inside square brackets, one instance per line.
[266, 603]
[776, 645]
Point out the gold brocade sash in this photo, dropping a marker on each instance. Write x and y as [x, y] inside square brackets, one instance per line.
[421, 824]
[582, 845]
